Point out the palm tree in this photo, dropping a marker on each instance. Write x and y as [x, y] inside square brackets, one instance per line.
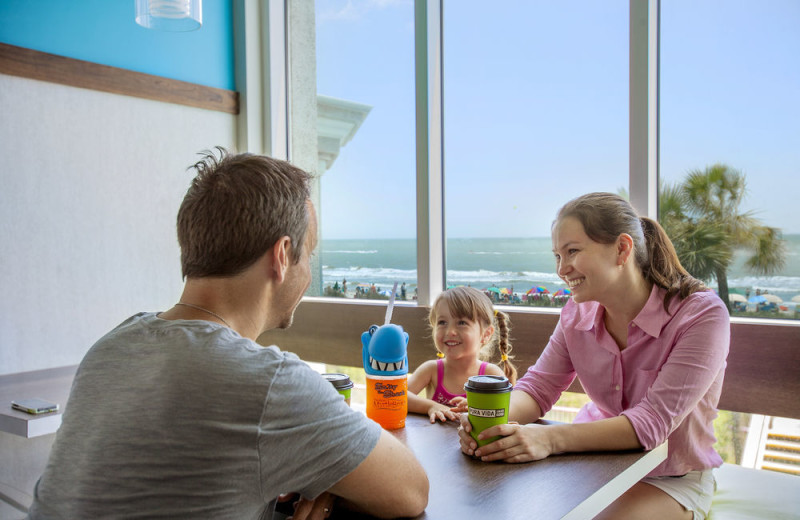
[703, 219]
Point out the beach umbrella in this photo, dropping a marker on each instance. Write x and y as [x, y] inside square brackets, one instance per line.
[563, 292]
[504, 290]
[758, 298]
[796, 298]
[735, 297]
[494, 289]
[773, 298]
[538, 290]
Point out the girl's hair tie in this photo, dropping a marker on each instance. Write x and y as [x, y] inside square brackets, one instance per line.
[440, 355]
[504, 357]
[495, 312]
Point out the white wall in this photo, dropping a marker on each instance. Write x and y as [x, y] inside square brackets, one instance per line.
[90, 185]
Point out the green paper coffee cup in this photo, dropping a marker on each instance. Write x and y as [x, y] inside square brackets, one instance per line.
[487, 400]
[342, 384]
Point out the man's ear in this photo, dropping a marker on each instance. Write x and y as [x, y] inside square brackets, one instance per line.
[281, 258]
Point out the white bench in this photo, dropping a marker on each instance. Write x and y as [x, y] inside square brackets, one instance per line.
[745, 493]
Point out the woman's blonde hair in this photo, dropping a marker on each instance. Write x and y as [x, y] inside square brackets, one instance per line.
[470, 303]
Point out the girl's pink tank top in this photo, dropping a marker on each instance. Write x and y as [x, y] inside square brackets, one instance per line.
[443, 396]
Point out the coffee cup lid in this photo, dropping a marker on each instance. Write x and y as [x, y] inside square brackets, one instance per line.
[487, 384]
[339, 381]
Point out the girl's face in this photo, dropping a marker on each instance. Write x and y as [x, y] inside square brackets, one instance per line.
[457, 337]
[590, 269]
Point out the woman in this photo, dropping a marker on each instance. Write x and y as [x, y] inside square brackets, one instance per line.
[648, 343]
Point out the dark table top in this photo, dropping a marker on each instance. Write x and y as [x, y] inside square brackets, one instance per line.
[577, 485]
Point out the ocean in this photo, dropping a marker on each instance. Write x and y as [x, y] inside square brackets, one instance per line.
[520, 263]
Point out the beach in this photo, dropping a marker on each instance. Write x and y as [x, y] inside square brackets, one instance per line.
[514, 264]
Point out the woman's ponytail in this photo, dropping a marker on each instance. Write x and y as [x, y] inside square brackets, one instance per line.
[662, 266]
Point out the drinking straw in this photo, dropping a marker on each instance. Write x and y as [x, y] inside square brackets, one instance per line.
[391, 305]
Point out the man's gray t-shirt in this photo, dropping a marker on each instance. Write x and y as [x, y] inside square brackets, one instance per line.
[186, 418]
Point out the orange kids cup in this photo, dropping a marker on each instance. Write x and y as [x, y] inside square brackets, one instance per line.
[385, 360]
[387, 400]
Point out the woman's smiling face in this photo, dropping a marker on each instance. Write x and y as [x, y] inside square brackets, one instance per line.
[589, 268]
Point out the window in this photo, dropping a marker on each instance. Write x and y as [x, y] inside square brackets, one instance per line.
[366, 129]
[728, 103]
[536, 113]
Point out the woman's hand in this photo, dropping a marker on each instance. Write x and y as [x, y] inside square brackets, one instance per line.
[304, 509]
[518, 443]
[442, 413]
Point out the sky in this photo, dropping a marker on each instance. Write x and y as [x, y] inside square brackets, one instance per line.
[536, 108]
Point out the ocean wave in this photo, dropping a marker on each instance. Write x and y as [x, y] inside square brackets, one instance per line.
[369, 273]
[477, 278]
[499, 253]
[773, 284]
[363, 252]
[509, 253]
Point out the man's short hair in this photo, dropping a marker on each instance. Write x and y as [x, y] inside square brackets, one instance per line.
[238, 207]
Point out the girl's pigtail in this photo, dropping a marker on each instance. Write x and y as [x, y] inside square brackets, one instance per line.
[504, 344]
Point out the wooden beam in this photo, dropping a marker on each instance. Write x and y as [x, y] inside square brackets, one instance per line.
[28, 63]
[763, 372]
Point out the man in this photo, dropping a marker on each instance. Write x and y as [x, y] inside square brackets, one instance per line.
[182, 414]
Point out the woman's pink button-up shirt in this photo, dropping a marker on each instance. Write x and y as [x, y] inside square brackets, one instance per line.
[667, 381]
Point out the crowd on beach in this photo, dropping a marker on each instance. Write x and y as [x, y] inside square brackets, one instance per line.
[755, 301]
[537, 296]
[762, 301]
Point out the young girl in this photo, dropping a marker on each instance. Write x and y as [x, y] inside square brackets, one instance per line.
[465, 329]
[648, 343]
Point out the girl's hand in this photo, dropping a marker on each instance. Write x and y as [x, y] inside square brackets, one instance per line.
[518, 443]
[458, 404]
[442, 413]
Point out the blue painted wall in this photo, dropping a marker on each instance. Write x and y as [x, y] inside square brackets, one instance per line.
[104, 31]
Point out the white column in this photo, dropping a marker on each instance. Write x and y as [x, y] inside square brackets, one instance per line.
[261, 80]
[430, 160]
[643, 139]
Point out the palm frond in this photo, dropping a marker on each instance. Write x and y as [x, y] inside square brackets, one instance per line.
[769, 251]
[702, 216]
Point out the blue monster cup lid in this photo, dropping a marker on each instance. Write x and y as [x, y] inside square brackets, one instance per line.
[487, 384]
[384, 350]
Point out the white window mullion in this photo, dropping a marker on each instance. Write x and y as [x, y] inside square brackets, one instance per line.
[276, 107]
[430, 154]
[643, 139]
